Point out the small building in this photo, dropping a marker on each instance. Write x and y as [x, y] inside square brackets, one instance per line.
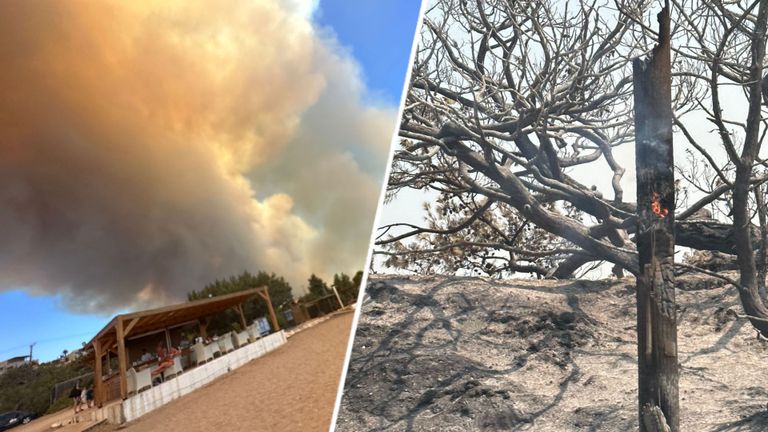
[304, 311]
[13, 362]
[72, 356]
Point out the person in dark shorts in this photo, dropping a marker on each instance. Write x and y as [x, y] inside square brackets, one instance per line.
[74, 394]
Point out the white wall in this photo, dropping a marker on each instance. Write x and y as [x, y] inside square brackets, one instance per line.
[146, 401]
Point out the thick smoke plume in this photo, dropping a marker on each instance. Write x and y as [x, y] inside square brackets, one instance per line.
[148, 149]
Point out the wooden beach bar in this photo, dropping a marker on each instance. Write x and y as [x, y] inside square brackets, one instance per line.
[126, 371]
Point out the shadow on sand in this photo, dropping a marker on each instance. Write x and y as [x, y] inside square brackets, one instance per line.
[410, 369]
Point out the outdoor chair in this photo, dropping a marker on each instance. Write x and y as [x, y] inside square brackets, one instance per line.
[174, 370]
[130, 380]
[200, 354]
[225, 343]
[211, 350]
[138, 381]
[253, 332]
[240, 339]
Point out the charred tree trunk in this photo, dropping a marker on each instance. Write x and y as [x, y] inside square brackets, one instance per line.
[745, 252]
[656, 310]
[761, 257]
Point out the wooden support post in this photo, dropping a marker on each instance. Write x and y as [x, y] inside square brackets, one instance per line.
[122, 360]
[656, 309]
[98, 396]
[264, 293]
[167, 340]
[129, 327]
[338, 297]
[242, 315]
[203, 328]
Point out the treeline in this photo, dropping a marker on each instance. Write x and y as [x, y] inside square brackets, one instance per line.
[280, 291]
[346, 287]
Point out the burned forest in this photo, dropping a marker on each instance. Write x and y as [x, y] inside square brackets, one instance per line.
[562, 141]
[515, 110]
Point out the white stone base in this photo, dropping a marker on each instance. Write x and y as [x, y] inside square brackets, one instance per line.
[159, 395]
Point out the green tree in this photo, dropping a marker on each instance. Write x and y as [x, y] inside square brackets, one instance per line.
[346, 287]
[279, 292]
[317, 288]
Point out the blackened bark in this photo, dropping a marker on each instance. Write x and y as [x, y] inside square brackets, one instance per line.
[708, 235]
[656, 312]
[763, 222]
[750, 298]
[568, 267]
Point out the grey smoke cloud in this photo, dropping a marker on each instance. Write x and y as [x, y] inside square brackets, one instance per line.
[146, 150]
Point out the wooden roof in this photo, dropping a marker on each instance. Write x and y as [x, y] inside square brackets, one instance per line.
[168, 316]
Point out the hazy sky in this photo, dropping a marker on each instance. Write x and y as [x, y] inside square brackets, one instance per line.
[147, 150]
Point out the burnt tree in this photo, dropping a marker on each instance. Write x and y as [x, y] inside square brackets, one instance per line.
[656, 314]
[512, 123]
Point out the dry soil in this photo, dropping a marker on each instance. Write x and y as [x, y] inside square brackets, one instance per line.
[464, 354]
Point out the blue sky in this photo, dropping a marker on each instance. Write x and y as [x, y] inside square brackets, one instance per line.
[377, 33]
[27, 319]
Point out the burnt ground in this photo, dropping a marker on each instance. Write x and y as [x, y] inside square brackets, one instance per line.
[463, 354]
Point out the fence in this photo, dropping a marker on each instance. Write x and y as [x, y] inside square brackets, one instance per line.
[63, 387]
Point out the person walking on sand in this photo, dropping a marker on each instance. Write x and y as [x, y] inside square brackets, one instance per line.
[74, 394]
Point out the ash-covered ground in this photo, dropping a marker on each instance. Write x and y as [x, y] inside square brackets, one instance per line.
[470, 354]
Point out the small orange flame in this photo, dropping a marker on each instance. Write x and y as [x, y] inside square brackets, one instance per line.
[656, 207]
